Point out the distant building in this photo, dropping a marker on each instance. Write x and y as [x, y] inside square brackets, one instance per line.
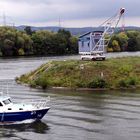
[88, 43]
[92, 45]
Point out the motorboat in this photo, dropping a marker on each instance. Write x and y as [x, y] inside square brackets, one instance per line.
[11, 112]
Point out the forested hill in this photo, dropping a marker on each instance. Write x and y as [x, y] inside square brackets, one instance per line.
[74, 31]
[15, 42]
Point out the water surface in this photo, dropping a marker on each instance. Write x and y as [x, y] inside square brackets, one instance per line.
[74, 115]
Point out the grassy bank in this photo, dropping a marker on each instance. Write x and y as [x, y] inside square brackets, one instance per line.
[112, 73]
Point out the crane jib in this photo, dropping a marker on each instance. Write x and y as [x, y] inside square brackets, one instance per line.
[122, 10]
[93, 45]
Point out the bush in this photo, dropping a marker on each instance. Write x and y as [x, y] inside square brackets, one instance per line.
[122, 83]
[21, 51]
[81, 84]
[125, 70]
[126, 82]
[132, 81]
[97, 83]
[32, 84]
[42, 82]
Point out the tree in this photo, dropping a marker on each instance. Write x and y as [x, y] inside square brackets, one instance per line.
[49, 43]
[42, 42]
[128, 41]
[28, 30]
[123, 41]
[14, 42]
[60, 44]
[21, 52]
[74, 45]
[138, 43]
[7, 49]
[66, 35]
[11, 40]
[132, 44]
[116, 46]
[133, 40]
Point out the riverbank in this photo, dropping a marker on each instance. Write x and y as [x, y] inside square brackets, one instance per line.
[115, 73]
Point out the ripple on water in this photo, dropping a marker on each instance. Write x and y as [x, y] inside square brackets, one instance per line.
[74, 115]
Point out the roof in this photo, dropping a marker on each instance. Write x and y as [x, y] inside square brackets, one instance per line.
[84, 34]
[2, 98]
[90, 32]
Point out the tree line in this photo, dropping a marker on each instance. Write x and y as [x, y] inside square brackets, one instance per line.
[18, 43]
[125, 41]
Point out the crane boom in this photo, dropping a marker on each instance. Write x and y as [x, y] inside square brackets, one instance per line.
[109, 28]
[93, 45]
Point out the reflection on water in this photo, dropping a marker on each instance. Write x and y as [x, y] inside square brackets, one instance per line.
[11, 130]
[87, 115]
[74, 115]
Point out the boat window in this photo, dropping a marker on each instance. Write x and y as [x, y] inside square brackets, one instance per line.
[6, 102]
[1, 104]
[9, 108]
[10, 100]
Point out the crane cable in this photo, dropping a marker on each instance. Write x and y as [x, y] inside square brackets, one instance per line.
[123, 23]
[108, 20]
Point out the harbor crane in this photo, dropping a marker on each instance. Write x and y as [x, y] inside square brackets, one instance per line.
[92, 45]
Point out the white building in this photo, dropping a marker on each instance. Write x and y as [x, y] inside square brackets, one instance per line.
[89, 43]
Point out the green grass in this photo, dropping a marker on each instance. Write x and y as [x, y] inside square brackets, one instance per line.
[112, 73]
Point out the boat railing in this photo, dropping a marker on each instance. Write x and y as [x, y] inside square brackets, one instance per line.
[38, 103]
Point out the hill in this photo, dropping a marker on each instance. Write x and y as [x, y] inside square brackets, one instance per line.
[74, 31]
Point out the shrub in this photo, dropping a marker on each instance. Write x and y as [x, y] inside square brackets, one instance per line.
[125, 70]
[132, 81]
[126, 82]
[32, 84]
[42, 81]
[97, 83]
[122, 83]
[21, 51]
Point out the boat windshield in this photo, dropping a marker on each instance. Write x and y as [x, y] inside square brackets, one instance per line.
[1, 104]
[7, 101]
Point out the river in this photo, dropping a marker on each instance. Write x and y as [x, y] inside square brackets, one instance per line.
[74, 115]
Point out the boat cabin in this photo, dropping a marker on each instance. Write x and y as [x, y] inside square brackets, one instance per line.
[4, 101]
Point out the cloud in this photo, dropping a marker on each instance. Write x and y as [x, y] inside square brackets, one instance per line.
[37, 11]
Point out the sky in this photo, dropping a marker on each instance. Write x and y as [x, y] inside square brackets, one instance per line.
[67, 13]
